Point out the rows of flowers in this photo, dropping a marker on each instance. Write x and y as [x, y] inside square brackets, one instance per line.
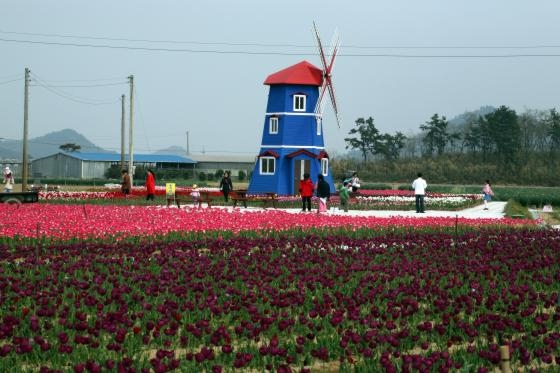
[364, 200]
[109, 221]
[403, 302]
[404, 199]
[112, 192]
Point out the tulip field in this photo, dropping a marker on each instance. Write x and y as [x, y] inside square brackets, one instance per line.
[136, 288]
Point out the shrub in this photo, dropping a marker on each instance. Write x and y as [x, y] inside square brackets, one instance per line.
[241, 176]
[515, 209]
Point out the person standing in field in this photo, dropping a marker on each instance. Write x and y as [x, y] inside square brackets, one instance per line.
[344, 195]
[306, 192]
[323, 192]
[226, 185]
[419, 185]
[150, 185]
[195, 194]
[487, 194]
[355, 182]
[125, 182]
[8, 180]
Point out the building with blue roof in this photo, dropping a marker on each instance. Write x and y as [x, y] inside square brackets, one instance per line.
[86, 166]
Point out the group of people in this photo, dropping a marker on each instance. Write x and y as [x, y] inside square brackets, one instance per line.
[419, 185]
[323, 191]
[306, 189]
[126, 184]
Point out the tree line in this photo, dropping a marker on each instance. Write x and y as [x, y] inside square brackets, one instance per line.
[500, 145]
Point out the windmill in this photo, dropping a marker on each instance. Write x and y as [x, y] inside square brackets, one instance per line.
[293, 135]
[327, 74]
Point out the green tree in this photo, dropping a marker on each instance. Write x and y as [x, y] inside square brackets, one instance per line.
[367, 137]
[390, 145]
[553, 130]
[472, 137]
[241, 176]
[436, 136]
[69, 147]
[503, 128]
[113, 172]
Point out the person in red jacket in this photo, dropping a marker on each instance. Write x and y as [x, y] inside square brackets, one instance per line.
[306, 191]
[150, 185]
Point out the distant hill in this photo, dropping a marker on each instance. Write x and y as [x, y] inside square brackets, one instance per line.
[172, 150]
[459, 121]
[48, 144]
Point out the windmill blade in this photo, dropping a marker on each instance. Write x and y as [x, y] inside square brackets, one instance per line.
[320, 47]
[333, 100]
[320, 104]
[335, 45]
[327, 78]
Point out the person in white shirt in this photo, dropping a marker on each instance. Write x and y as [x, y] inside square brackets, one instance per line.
[8, 180]
[419, 185]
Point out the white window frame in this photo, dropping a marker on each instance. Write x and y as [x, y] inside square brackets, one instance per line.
[325, 166]
[265, 164]
[273, 125]
[300, 102]
[319, 125]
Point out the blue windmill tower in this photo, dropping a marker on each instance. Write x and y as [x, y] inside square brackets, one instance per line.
[293, 134]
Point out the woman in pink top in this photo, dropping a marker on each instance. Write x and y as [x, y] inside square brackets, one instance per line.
[488, 194]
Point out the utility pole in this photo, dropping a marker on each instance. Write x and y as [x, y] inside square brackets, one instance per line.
[122, 133]
[25, 161]
[131, 133]
[188, 147]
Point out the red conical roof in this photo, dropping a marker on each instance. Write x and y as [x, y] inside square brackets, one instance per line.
[300, 73]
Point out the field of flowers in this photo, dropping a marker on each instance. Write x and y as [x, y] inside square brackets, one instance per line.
[110, 222]
[365, 200]
[128, 288]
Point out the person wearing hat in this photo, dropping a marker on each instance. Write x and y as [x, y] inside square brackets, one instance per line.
[8, 180]
[195, 194]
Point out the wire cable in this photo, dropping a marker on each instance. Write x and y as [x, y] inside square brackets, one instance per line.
[67, 96]
[544, 46]
[10, 81]
[246, 52]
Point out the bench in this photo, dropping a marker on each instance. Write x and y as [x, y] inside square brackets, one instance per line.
[205, 197]
[269, 198]
[19, 197]
[40, 188]
[239, 195]
[173, 199]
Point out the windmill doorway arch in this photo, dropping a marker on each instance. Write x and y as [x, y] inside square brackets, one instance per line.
[301, 166]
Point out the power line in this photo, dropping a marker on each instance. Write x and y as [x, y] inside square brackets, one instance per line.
[11, 81]
[544, 46]
[247, 52]
[157, 41]
[67, 96]
[85, 85]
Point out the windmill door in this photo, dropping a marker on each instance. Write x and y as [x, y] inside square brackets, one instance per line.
[301, 167]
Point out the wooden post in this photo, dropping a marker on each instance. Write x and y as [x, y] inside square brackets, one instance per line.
[25, 159]
[122, 132]
[131, 134]
[505, 366]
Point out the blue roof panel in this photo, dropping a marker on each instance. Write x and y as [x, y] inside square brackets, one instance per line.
[115, 157]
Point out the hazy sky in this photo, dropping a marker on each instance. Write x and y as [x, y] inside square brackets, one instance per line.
[200, 66]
